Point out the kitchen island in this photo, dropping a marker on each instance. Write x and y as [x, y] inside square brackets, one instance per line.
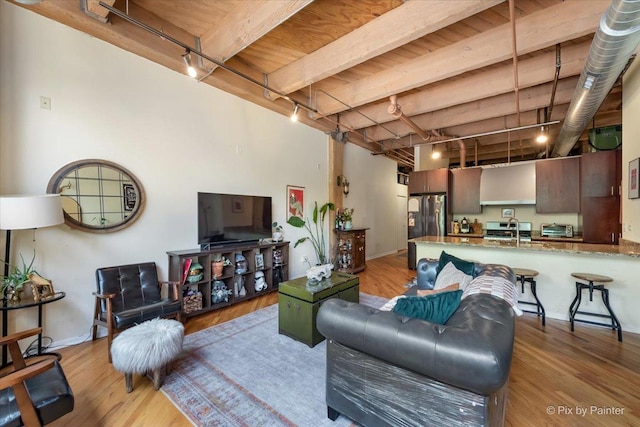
[555, 261]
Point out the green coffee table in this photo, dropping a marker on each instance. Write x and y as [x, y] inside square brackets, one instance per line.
[299, 301]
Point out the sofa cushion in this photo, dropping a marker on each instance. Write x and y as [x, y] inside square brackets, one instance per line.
[467, 267]
[496, 286]
[436, 308]
[450, 275]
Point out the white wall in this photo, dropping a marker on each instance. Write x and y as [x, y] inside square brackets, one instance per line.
[630, 150]
[373, 196]
[176, 135]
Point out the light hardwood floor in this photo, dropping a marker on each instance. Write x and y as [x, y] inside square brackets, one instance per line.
[554, 374]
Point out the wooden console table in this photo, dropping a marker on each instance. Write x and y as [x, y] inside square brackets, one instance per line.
[351, 257]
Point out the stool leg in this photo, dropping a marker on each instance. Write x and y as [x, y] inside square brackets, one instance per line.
[614, 319]
[535, 295]
[578, 300]
[157, 378]
[128, 380]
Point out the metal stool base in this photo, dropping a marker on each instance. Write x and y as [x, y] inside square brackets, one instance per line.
[538, 305]
[575, 305]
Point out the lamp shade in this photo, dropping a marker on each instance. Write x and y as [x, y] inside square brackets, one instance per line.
[18, 212]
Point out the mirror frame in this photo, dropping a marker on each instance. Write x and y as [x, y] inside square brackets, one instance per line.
[56, 184]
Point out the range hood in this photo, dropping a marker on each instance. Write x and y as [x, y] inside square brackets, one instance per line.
[511, 184]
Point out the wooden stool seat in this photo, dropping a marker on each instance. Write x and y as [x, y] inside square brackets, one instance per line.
[589, 277]
[526, 272]
[526, 275]
[591, 286]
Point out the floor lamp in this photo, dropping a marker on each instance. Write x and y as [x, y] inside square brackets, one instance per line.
[21, 212]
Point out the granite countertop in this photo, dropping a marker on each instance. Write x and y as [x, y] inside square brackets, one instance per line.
[573, 247]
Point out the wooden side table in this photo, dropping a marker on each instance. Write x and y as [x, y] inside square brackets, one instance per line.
[7, 306]
[351, 256]
[299, 301]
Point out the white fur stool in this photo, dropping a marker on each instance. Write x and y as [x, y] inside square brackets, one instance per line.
[149, 347]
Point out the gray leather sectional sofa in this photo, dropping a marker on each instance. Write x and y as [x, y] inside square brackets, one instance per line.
[384, 369]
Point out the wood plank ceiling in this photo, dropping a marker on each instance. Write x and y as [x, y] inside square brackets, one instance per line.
[451, 64]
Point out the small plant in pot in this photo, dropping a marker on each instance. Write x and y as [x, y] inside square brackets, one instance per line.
[276, 232]
[13, 284]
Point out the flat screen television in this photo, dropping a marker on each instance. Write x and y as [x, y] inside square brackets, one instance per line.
[232, 218]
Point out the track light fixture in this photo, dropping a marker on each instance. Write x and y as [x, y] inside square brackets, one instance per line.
[542, 136]
[435, 154]
[294, 116]
[190, 68]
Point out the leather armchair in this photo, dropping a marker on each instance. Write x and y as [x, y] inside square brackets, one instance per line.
[32, 395]
[131, 294]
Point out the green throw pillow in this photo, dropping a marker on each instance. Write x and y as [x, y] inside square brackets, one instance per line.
[467, 267]
[436, 308]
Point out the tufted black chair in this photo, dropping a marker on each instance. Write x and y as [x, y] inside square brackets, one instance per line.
[131, 294]
[32, 395]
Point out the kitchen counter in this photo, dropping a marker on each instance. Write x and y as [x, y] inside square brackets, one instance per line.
[555, 261]
[551, 245]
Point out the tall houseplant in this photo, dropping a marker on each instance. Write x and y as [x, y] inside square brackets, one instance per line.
[315, 229]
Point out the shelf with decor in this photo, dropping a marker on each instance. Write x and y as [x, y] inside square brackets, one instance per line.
[209, 282]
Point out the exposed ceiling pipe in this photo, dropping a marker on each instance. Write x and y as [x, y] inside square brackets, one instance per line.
[514, 49]
[395, 110]
[613, 44]
[548, 112]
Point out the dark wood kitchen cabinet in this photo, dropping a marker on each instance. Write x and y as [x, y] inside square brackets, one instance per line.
[464, 194]
[558, 185]
[600, 180]
[430, 181]
[601, 173]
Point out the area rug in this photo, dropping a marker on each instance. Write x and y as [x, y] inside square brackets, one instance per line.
[243, 373]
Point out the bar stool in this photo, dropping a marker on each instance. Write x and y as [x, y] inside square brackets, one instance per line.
[525, 275]
[575, 305]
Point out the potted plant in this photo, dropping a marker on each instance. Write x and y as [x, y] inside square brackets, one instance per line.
[276, 232]
[218, 264]
[13, 284]
[347, 217]
[315, 229]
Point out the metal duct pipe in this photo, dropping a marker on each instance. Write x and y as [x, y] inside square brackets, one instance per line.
[615, 40]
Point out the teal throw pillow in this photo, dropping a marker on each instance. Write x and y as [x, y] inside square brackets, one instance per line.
[467, 267]
[435, 308]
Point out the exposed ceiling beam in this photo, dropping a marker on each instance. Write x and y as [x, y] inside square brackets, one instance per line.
[548, 27]
[497, 106]
[246, 23]
[533, 71]
[94, 7]
[406, 23]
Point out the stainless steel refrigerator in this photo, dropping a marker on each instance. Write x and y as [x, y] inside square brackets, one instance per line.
[426, 216]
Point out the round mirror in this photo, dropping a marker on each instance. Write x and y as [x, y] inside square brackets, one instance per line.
[97, 195]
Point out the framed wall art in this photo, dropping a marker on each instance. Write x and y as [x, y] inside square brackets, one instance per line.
[237, 205]
[295, 201]
[508, 212]
[633, 179]
[259, 261]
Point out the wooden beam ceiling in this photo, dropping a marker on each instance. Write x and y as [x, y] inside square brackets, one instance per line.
[448, 61]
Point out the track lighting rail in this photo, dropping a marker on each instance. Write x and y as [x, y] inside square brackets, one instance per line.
[196, 51]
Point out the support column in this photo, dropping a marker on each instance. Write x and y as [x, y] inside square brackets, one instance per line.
[336, 164]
